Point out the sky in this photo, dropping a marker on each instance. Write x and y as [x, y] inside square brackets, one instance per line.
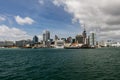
[22, 19]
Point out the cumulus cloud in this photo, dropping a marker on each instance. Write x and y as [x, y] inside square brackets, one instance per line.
[41, 2]
[22, 21]
[8, 33]
[2, 18]
[102, 16]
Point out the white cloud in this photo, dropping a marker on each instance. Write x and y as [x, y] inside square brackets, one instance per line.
[2, 18]
[8, 33]
[22, 21]
[100, 15]
[41, 2]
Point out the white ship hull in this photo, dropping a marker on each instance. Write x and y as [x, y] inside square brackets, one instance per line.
[59, 44]
[60, 47]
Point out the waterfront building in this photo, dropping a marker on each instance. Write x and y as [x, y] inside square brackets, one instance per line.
[46, 39]
[92, 39]
[69, 40]
[9, 44]
[2, 43]
[51, 40]
[102, 43]
[56, 37]
[47, 33]
[6, 43]
[115, 44]
[88, 40]
[35, 39]
[79, 39]
[64, 39]
[23, 43]
[73, 40]
[84, 36]
[46, 36]
[109, 43]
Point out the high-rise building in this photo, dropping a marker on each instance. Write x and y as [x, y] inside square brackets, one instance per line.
[84, 37]
[56, 37]
[79, 39]
[69, 40]
[92, 39]
[73, 40]
[46, 38]
[88, 40]
[35, 39]
[47, 35]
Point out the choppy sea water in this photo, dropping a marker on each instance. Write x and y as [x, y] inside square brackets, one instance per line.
[60, 64]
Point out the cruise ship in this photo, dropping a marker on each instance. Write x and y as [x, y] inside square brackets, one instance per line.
[59, 44]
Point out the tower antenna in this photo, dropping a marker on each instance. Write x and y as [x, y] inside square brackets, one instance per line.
[84, 27]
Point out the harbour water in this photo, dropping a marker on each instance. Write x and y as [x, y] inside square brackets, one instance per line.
[60, 64]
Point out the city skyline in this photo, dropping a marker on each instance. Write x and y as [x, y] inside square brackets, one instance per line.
[22, 19]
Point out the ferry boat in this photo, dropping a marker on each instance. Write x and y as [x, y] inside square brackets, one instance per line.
[80, 47]
[72, 47]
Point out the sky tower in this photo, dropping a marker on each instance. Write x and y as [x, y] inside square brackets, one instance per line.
[84, 35]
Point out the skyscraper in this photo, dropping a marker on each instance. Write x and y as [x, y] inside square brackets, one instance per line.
[46, 38]
[79, 39]
[84, 36]
[47, 35]
[92, 39]
[56, 37]
[35, 39]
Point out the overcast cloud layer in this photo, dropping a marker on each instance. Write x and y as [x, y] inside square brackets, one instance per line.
[102, 16]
